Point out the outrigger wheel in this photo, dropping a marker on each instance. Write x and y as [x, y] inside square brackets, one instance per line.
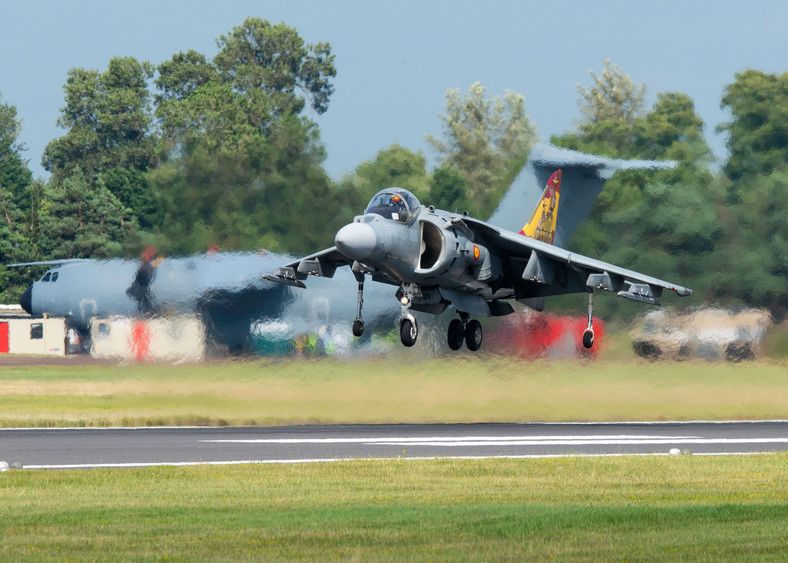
[588, 338]
[358, 327]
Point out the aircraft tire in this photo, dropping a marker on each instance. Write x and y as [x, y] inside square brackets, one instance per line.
[588, 339]
[407, 332]
[456, 334]
[473, 335]
[358, 327]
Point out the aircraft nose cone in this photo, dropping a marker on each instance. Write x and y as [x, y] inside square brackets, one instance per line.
[26, 301]
[356, 241]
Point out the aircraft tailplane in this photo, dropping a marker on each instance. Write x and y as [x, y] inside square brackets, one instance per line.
[541, 226]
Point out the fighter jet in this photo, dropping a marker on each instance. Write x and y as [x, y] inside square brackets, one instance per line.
[438, 259]
[225, 289]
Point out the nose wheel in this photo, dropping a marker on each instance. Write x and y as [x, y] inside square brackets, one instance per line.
[408, 331]
[466, 330]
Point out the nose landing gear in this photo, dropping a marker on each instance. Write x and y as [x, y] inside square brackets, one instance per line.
[358, 324]
[408, 329]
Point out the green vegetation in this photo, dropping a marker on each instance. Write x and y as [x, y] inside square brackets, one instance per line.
[481, 389]
[484, 136]
[725, 236]
[194, 153]
[631, 508]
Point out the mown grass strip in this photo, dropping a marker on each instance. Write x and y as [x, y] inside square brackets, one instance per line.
[481, 389]
[653, 508]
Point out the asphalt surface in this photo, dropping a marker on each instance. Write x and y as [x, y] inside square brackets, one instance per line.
[131, 447]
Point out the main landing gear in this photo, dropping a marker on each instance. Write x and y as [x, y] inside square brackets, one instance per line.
[468, 330]
[588, 333]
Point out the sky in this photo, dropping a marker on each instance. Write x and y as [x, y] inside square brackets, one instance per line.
[396, 60]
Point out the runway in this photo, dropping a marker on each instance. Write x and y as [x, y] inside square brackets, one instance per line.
[139, 447]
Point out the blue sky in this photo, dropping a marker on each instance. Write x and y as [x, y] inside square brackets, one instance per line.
[395, 60]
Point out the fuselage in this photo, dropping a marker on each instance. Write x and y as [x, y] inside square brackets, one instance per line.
[429, 251]
[225, 290]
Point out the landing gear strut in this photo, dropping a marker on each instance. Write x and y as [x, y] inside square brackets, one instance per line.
[408, 329]
[464, 329]
[588, 333]
[358, 324]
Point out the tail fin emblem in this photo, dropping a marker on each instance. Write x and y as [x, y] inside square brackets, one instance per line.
[541, 225]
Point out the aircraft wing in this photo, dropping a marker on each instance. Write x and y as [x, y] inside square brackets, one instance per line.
[48, 262]
[322, 264]
[539, 269]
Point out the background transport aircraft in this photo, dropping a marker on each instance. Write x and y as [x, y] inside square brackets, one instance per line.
[438, 259]
[227, 293]
[223, 290]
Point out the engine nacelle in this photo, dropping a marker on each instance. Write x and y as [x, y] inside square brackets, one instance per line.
[478, 257]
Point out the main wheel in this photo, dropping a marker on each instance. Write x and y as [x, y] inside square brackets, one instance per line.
[408, 332]
[588, 338]
[358, 327]
[473, 335]
[456, 334]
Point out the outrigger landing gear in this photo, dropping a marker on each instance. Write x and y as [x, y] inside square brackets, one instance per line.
[358, 324]
[464, 329]
[588, 333]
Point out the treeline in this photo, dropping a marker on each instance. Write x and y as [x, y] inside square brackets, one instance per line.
[725, 234]
[197, 153]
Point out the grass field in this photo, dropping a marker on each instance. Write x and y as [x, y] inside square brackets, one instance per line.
[629, 508]
[464, 389]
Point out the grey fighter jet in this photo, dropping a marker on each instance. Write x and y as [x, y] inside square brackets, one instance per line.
[436, 259]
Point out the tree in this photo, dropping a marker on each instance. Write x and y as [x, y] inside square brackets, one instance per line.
[672, 130]
[273, 195]
[17, 210]
[15, 176]
[108, 121]
[85, 220]
[610, 107]
[394, 166]
[756, 250]
[251, 85]
[241, 165]
[667, 223]
[259, 57]
[448, 190]
[758, 129]
[613, 97]
[108, 124]
[179, 78]
[483, 135]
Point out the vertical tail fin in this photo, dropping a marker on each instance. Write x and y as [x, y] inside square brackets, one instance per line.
[541, 225]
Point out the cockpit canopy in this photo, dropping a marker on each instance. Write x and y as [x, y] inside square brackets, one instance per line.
[397, 204]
